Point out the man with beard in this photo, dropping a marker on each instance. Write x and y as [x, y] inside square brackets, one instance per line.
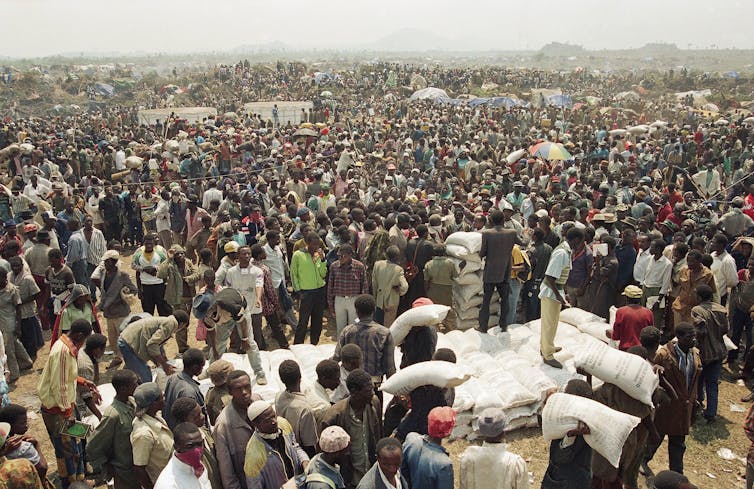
[273, 456]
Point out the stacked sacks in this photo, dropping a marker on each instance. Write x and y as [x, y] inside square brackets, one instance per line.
[468, 290]
[495, 381]
[586, 322]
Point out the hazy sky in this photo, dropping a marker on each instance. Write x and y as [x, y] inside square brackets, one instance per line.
[44, 27]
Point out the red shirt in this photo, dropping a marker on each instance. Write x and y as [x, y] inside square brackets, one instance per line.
[748, 208]
[675, 198]
[629, 321]
[664, 212]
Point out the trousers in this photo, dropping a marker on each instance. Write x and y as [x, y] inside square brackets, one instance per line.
[312, 308]
[708, 382]
[133, 362]
[153, 296]
[113, 332]
[17, 357]
[676, 450]
[386, 316]
[166, 238]
[740, 326]
[550, 318]
[484, 311]
[222, 334]
[345, 312]
[514, 293]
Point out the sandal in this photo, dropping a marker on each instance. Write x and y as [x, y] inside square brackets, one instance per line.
[115, 363]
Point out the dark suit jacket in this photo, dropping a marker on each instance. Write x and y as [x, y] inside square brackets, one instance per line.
[339, 415]
[497, 246]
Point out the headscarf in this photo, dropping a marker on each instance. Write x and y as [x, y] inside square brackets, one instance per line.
[79, 290]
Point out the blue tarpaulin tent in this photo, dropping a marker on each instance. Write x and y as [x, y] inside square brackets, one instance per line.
[104, 89]
[478, 101]
[506, 102]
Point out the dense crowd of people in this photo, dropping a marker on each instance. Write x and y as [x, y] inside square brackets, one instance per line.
[260, 231]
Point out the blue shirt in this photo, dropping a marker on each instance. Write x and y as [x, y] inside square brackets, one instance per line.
[78, 248]
[425, 464]
[626, 255]
[580, 268]
[319, 466]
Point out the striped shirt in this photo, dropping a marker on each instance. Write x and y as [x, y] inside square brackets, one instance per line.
[376, 345]
[57, 384]
[97, 247]
[78, 248]
[346, 281]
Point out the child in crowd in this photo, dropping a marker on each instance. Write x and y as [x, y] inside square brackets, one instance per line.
[28, 446]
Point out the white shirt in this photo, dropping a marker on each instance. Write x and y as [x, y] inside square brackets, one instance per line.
[120, 160]
[162, 215]
[387, 482]
[527, 208]
[560, 259]
[701, 181]
[274, 262]
[642, 258]
[657, 274]
[92, 208]
[492, 466]
[36, 194]
[210, 195]
[177, 475]
[319, 399]
[341, 392]
[724, 270]
[246, 281]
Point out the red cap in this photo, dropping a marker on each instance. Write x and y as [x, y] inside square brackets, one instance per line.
[422, 301]
[441, 421]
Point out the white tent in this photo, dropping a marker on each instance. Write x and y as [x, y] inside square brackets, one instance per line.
[429, 93]
[191, 114]
[287, 110]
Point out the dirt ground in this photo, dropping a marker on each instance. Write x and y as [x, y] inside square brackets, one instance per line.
[703, 466]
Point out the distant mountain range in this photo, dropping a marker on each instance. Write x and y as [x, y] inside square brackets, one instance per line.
[418, 40]
[407, 40]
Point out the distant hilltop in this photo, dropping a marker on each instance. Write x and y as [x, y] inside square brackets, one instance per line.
[651, 49]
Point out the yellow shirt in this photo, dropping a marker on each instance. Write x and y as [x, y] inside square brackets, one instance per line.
[152, 443]
[518, 258]
[57, 385]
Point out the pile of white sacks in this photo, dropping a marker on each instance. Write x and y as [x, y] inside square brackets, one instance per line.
[468, 292]
[495, 369]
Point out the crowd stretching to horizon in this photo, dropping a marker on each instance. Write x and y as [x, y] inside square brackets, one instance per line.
[246, 232]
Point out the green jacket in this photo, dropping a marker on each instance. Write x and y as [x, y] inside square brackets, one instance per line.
[306, 273]
[111, 440]
[171, 274]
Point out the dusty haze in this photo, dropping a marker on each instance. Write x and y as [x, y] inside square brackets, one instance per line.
[34, 28]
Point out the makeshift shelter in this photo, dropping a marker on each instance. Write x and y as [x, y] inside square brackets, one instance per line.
[287, 110]
[191, 114]
[629, 96]
[429, 93]
[104, 90]
[539, 96]
[418, 82]
[559, 101]
[507, 102]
